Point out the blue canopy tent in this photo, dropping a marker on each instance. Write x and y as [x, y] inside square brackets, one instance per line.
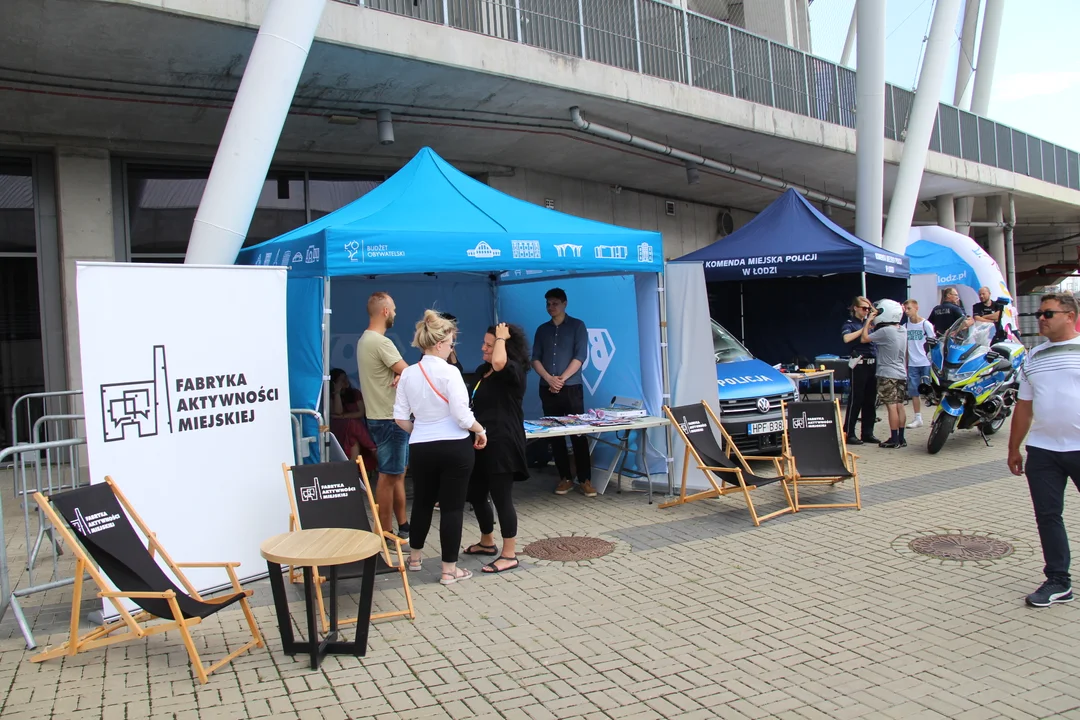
[435, 236]
[768, 284]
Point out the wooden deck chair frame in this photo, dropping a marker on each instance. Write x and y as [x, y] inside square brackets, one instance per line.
[103, 636]
[796, 479]
[725, 475]
[400, 566]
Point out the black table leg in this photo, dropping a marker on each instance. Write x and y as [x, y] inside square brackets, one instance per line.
[332, 577]
[309, 607]
[281, 605]
[363, 616]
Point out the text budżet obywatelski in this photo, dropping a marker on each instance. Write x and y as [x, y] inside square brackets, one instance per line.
[228, 398]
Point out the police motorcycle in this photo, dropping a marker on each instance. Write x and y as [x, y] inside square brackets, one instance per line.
[973, 383]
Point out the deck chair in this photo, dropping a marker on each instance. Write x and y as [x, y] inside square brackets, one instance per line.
[695, 425]
[338, 495]
[94, 523]
[815, 452]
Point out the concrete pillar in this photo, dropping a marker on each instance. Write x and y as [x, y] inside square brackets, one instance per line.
[920, 126]
[988, 46]
[849, 41]
[965, 61]
[996, 236]
[85, 220]
[252, 131]
[965, 206]
[870, 120]
[946, 214]
[1010, 248]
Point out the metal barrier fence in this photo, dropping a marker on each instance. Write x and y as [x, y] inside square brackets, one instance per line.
[38, 467]
[666, 41]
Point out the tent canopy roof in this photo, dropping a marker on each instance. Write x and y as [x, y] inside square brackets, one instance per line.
[791, 238]
[429, 216]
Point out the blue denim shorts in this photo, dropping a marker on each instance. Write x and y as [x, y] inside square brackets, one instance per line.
[392, 446]
[916, 375]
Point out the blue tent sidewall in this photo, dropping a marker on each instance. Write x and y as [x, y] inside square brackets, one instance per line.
[304, 300]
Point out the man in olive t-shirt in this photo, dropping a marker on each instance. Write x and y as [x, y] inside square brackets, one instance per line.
[379, 364]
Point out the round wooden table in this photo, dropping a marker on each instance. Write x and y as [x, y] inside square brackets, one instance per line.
[329, 548]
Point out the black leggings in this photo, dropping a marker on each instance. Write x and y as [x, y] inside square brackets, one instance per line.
[500, 486]
[440, 471]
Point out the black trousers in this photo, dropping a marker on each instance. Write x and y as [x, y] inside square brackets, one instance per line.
[862, 399]
[500, 487]
[441, 471]
[1048, 473]
[568, 401]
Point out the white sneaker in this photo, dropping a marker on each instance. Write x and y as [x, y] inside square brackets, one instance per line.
[916, 423]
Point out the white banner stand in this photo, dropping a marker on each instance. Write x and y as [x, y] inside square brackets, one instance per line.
[186, 397]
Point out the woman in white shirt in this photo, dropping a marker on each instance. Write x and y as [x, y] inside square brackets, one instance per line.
[433, 407]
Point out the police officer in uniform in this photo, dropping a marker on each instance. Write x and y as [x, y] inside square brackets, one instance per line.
[863, 396]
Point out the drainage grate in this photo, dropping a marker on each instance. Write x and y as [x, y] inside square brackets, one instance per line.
[958, 546]
[568, 549]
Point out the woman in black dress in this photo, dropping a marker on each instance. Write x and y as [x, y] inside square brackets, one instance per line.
[496, 402]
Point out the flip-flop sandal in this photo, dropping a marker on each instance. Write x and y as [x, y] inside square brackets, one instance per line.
[483, 550]
[451, 578]
[492, 568]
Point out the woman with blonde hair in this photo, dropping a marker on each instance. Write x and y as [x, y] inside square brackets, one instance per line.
[432, 405]
[862, 399]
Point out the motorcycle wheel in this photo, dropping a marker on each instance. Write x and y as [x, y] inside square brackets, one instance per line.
[991, 427]
[940, 430]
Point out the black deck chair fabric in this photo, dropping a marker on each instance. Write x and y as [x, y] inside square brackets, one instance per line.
[695, 422]
[814, 439]
[332, 495]
[99, 522]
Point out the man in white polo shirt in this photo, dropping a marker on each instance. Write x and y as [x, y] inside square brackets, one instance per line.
[1049, 407]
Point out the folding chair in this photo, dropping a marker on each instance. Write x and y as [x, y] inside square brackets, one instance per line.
[696, 424]
[95, 526]
[815, 451]
[331, 495]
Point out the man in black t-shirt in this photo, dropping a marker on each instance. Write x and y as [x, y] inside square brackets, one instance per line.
[947, 313]
[987, 310]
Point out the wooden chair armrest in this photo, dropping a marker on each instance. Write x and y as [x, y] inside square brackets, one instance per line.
[852, 455]
[208, 564]
[765, 458]
[719, 469]
[393, 538]
[132, 595]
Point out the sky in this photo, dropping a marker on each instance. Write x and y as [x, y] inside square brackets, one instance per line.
[1037, 78]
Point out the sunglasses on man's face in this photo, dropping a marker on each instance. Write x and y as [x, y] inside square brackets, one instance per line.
[1048, 314]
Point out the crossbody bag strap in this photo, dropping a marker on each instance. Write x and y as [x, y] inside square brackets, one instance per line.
[433, 388]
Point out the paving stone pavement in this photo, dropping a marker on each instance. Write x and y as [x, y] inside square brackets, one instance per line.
[697, 614]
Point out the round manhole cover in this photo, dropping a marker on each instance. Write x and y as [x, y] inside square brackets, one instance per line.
[954, 546]
[568, 549]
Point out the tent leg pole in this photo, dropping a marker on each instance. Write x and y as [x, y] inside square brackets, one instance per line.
[666, 397]
[864, 284]
[742, 315]
[324, 438]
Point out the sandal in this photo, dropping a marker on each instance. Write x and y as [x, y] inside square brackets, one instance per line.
[451, 578]
[479, 549]
[492, 568]
[416, 566]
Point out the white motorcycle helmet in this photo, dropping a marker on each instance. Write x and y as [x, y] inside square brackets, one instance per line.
[888, 311]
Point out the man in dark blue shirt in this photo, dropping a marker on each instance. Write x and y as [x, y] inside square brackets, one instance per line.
[945, 315]
[560, 348]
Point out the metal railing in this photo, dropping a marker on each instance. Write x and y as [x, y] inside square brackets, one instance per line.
[670, 42]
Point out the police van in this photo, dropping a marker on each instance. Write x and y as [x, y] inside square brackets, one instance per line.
[750, 392]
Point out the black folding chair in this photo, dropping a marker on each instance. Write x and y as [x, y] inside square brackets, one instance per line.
[697, 426]
[338, 495]
[815, 451]
[93, 521]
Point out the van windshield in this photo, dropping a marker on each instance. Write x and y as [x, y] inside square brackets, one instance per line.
[725, 347]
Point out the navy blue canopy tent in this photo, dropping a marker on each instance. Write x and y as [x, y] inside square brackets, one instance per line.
[784, 280]
[792, 238]
[435, 237]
